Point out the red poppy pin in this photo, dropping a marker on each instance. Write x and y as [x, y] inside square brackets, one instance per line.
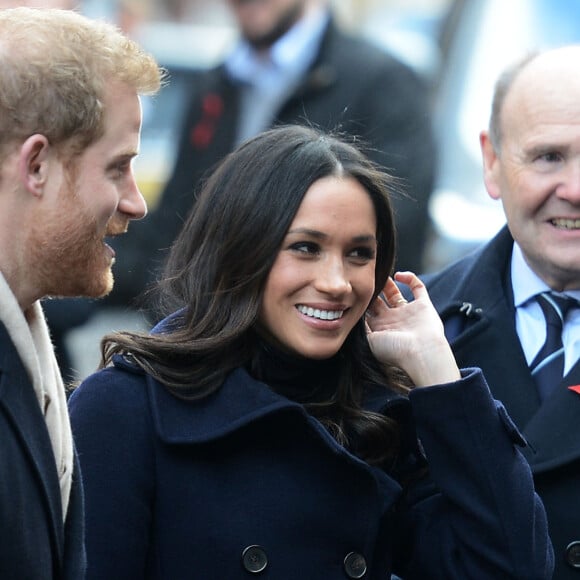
[202, 134]
[212, 105]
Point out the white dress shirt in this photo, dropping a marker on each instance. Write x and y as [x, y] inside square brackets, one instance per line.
[530, 321]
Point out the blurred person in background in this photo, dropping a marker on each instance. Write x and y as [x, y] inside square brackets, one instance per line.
[495, 303]
[70, 121]
[293, 64]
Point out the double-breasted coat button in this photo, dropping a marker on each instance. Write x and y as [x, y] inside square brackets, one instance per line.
[573, 554]
[254, 559]
[355, 565]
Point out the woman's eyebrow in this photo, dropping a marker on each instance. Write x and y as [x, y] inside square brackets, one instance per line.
[321, 235]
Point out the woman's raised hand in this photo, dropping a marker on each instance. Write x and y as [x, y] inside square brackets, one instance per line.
[410, 334]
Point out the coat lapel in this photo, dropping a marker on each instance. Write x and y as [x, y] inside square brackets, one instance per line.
[18, 402]
[554, 431]
[479, 318]
[494, 333]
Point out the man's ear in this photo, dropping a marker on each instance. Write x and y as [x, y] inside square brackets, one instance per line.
[491, 164]
[33, 163]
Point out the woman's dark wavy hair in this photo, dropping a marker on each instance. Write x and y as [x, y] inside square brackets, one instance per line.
[217, 270]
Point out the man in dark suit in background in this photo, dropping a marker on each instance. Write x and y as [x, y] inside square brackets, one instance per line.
[488, 300]
[294, 65]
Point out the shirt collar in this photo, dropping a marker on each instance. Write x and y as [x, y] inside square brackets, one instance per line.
[525, 282]
[294, 52]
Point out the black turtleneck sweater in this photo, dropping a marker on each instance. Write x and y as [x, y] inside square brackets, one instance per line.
[297, 378]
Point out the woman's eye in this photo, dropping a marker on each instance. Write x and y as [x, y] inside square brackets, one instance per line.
[363, 253]
[305, 247]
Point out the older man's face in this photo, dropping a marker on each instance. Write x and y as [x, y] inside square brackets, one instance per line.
[537, 173]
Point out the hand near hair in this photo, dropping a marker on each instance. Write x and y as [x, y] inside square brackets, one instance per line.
[410, 334]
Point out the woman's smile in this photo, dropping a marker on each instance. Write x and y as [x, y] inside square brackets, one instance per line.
[320, 313]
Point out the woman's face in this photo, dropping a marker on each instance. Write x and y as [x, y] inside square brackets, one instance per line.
[324, 275]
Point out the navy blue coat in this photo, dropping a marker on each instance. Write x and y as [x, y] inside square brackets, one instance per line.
[34, 542]
[178, 490]
[474, 298]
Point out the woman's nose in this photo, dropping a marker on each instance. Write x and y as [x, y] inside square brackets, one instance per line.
[333, 278]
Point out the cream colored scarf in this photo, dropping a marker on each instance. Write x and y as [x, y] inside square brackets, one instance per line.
[30, 335]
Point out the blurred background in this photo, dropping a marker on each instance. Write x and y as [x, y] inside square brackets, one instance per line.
[458, 46]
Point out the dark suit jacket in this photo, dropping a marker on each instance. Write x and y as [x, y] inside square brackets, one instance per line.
[352, 86]
[474, 299]
[34, 543]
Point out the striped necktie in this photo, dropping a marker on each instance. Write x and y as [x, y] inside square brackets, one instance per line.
[548, 366]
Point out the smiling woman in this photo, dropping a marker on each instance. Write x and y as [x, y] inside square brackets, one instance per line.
[324, 277]
[264, 426]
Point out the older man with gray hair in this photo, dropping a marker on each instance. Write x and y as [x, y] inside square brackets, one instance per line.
[512, 307]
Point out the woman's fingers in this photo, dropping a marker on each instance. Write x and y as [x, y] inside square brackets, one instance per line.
[392, 294]
[411, 280]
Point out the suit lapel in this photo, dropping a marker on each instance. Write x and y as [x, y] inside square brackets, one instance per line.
[554, 431]
[18, 402]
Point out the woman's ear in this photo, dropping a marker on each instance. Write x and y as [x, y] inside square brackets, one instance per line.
[33, 163]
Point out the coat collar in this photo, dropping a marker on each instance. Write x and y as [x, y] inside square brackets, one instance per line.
[240, 401]
[489, 264]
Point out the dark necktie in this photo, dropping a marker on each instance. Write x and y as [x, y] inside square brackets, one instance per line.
[548, 366]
